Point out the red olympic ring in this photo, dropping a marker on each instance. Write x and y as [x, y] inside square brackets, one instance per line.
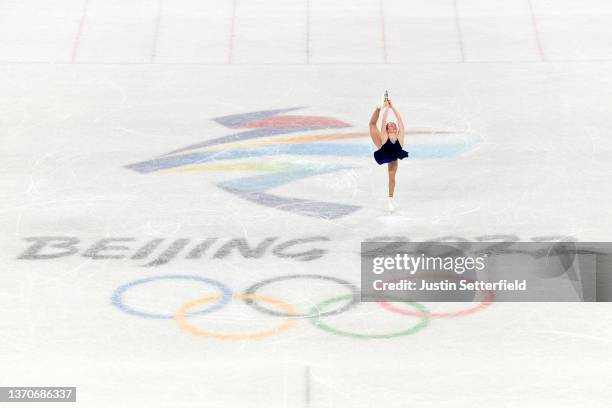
[488, 299]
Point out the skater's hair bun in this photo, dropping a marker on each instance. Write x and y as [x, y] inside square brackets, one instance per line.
[390, 123]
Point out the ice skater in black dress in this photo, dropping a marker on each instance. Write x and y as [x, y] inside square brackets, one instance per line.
[389, 141]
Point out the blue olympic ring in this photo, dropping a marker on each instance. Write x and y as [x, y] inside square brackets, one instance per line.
[117, 297]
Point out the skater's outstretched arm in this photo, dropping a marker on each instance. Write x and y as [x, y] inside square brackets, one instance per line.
[400, 124]
[383, 126]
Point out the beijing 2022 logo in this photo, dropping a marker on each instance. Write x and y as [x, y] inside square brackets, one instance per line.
[274, 133]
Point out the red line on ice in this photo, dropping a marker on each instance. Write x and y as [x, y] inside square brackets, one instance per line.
[79, 33]
[383, 32]
[230, 51]
[536, 31]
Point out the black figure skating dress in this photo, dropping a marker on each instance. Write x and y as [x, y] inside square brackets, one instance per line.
[390, 151]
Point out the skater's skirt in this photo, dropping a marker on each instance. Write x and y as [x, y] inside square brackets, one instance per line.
[390, 152]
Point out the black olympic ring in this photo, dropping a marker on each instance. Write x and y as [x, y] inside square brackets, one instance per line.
[251, 290]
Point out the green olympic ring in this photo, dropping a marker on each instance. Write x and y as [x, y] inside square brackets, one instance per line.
[316, 314]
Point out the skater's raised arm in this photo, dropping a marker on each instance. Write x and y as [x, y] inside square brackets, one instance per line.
[383, 126]
[400, 124]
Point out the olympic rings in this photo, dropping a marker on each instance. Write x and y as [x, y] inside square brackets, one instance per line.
[181, 318]
[285, 310]
[412, 330]
[354, 298]
[488, 299]
[117, 296]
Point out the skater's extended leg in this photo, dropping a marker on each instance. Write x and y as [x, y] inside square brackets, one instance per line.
[374, 133]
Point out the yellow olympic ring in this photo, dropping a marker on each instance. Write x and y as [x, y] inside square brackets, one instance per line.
[181, 318]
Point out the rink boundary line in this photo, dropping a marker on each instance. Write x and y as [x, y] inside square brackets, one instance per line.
[271, 64]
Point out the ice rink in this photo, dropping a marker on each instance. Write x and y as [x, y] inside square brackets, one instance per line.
[179, 176]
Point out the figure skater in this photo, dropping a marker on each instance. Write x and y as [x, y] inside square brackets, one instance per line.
[389, 141]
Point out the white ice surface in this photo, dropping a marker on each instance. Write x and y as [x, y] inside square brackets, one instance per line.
[88, 87]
